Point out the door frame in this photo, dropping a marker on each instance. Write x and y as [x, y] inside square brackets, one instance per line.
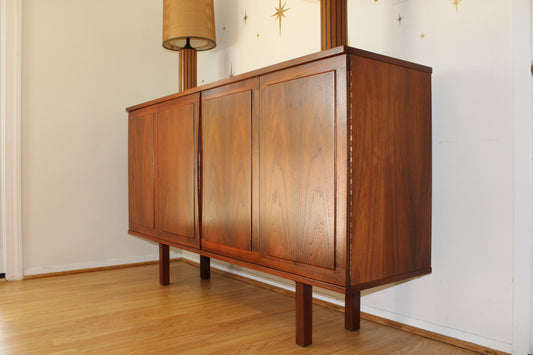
[522, 342]
[10, 139]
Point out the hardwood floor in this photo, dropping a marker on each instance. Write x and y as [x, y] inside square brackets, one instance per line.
[125, 311]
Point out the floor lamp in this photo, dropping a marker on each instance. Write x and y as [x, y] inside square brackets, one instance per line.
[188, 27]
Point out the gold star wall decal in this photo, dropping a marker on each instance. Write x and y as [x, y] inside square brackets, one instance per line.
[399, 19]
[245, 18]
[456, 3]
[422, 35]
[280, 12]
[231, 73]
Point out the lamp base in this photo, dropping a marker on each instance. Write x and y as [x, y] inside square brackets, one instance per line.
[187, 68]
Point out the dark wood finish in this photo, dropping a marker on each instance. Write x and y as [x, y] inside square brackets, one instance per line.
[317, 170]
[141, 169]
[297, 170]
[336, 67]
[205, 267]
[304, 314]
[164, 265]
[391, 279]
[187, 68]
[227, 171]
[176, 169]
[352, 310]
[333, 24]
[391, 170]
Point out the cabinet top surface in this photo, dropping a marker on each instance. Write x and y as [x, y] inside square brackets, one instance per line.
[284, 65]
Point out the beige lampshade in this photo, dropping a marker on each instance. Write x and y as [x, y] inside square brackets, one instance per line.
[192, 19]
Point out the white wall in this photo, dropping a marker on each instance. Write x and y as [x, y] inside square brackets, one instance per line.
[523, 165]
[238, 45]
[84, 61]
[470, 51]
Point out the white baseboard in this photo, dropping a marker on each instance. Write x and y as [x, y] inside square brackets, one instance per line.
[437, 328]
[318, 293]
[38, 270]
[338, 299]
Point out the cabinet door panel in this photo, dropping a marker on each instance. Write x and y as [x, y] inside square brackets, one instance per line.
[141, 169]
[227, 171]
[297, 170]
[176, 169]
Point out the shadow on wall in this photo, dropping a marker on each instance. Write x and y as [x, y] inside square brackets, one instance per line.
[230, 12]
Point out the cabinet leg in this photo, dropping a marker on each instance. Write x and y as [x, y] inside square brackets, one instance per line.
[304, 314]
[164, 265]
[352, 310]
[205, 267]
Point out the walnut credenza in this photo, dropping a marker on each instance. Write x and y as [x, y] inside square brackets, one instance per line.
[317, 170]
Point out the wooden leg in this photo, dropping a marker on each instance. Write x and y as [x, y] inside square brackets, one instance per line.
[304, 314]
[205, 267]
[164, 265]
[352, 310]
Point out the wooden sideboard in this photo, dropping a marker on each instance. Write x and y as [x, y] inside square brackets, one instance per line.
[317, 170]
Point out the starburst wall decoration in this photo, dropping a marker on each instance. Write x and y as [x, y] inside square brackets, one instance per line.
[280, 13]
[456, 3]
[281, 9]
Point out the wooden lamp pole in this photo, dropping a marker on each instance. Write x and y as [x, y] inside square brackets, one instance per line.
[333, 23]
[187, 68]
[187, 80]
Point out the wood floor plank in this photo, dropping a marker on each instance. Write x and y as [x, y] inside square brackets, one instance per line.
[126, 311]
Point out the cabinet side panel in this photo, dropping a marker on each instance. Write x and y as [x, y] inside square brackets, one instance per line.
[141, 169]
[227, 171]
[175, 173]
[297, 170]
[391, 170]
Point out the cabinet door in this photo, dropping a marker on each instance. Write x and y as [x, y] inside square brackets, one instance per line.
[300, 116]
[141, 169]
[227, 169]
[176, 138]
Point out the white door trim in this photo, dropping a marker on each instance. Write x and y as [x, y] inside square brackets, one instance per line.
[10, 141]
[523, 188]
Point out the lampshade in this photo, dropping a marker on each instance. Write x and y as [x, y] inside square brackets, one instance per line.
[189, 19]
